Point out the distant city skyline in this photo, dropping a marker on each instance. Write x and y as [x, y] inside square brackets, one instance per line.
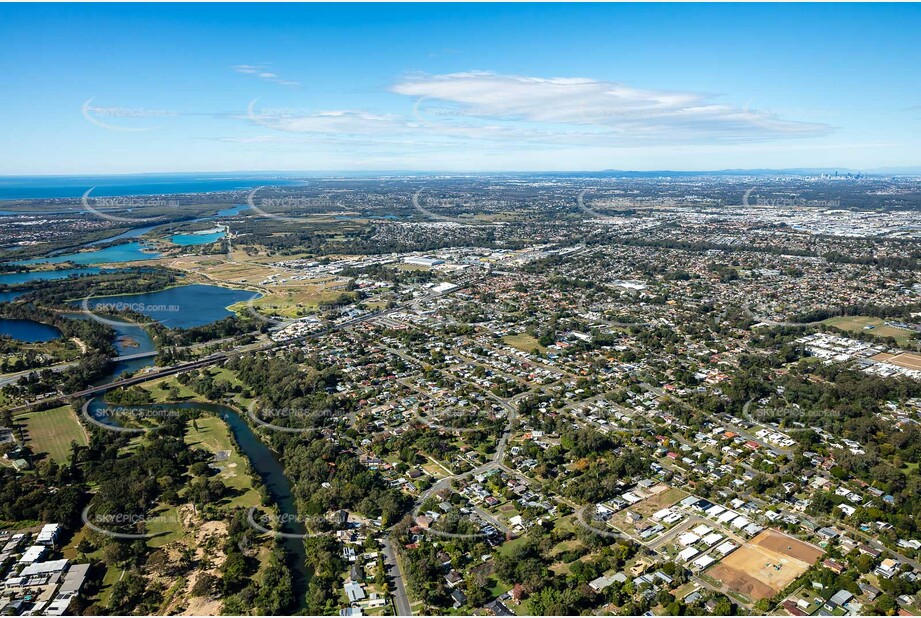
[121, 89]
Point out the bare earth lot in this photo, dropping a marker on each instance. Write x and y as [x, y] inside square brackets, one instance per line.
[766, 565]
[905, 359]
[779, 542]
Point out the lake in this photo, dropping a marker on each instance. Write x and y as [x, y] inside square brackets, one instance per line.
[6, 297]
[29, 331]
[232, 211]
[204, 237]
[134, 233]
[180, 307]
[129, 252]
[48, 275]
[129, 339]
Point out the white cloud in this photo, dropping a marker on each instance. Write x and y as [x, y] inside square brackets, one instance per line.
[608, 110]
[464, 113]
[262, 72]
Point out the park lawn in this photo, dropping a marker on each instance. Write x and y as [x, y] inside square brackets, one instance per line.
[222, 373]
[164, 525]
[162, 395]
[524, 342]
[262, 557]
[560, 568]
[506, 548]
[564, 546]
[213, 435]
[113, 575]
[293, 301]
[498, 588]
[52, 431]
[858, 323]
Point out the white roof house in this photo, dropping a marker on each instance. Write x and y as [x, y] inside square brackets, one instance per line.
[702, 530]
[688, 538]
[727, 517]
[41, 568]
[740, 522]
[687, 553]
[33, 553]
[726, 548]
[712, 539]
[703, 562]
[48, 534]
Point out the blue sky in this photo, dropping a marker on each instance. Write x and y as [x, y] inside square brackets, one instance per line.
[136, 88]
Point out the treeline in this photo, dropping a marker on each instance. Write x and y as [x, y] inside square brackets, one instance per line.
[96, 336]
[90, 367]
[231, 326]
[907, 262]
[128, 281]
[862, 309]
[133, 487]
[326, 475]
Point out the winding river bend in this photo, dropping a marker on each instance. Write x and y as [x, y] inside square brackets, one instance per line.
[263, 462]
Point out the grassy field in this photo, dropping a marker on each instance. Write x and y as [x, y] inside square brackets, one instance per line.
[214, 436]
[293, 302]
[164, 524]
[523, 342]
[162, 395]
[879, 328]
[52, 431]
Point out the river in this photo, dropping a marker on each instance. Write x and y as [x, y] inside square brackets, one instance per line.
[264, 463]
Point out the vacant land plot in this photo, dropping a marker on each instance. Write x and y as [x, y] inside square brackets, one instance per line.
[874, 326]
[765, 566]
[906, 359]
[783, 544]
[221, 270]
[52, 431]
[297, 301]
[523, 342]
[664, 496]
